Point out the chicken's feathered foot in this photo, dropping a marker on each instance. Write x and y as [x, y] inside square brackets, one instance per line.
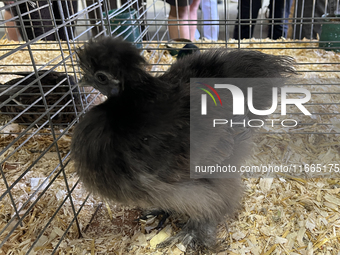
[156, 213]
[195, 241]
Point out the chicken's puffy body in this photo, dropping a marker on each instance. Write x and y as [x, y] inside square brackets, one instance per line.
[135, 147]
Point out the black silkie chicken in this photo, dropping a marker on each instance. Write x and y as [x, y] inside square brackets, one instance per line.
[29, 95]
[134, 147]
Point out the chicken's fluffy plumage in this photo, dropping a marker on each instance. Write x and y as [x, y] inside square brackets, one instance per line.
[134, 147]
[30, 94]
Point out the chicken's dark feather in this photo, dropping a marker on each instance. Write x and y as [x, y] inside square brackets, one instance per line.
[111, 56]
[134, 148]
[30, 93]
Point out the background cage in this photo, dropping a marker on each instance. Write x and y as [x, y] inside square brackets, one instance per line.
[43, 208]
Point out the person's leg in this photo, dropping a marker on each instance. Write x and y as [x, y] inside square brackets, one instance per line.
[184, 11]
[288, 6]
[210, 12]
[180, 13]
[94, 15]
[273, 8]
[248, 7]
[305, 26]
[193, 17]
[67, 9]
[12, 33]
[280, 9]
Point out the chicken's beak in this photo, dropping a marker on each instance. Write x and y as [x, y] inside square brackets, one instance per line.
[82, 83]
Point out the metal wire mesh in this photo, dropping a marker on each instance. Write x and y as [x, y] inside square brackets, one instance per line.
[39, 110]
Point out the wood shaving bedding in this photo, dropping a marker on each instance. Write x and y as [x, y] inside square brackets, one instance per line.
[286, 215]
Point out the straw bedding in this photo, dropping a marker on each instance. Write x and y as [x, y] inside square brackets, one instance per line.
[286, 215]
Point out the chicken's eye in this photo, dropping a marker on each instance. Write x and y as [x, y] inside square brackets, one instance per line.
[101, 77]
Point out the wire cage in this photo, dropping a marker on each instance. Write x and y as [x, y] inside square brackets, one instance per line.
[44, 209]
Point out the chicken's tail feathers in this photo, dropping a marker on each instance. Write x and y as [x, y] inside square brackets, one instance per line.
[265, 74]
[256, 64]
[283, 66]
[27, 73]
[5, 93]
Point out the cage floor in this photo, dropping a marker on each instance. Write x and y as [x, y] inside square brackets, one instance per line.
[290, 215]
